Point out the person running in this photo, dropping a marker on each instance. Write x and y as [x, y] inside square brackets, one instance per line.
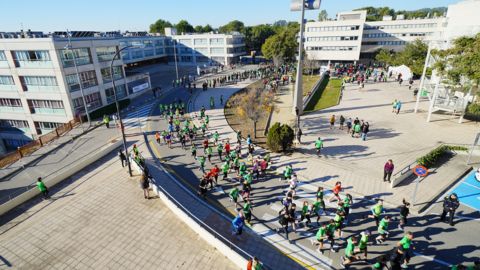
[202, 187]
[225, 169]
[106, 120]
[212, 103]
[221, 99]
[157, 137]
[347, 202]
[336, 191]
[381, 262]
[332, 121]
[247, 210]
[406, 244]
[201, 161]
[319, 197]
[382, 230]
[283, 220]
[388, 170]
[209, 152]
[363, 244]
[350, 252]
[349, 125]
[193, 150]
[398, 106]
[214, 173]
[320, 236]
[287, 173]
[233, 195]
[377, 210]
[331, 235]
[318, 145]
[394, 106]
[42, 188]
[216, 136]
[305, 214]
[404, 212]
[315, 209]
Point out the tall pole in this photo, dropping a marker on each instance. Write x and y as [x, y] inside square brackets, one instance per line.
[298, 91]
[422, 81]
[434, 98]
[78, 78]
[175, 56]
[118, 111]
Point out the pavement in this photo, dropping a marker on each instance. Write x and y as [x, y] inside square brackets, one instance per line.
[434, 241]
[98, 219]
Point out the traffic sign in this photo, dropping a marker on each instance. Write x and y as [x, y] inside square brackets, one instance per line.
[420, 171]
[296, 5]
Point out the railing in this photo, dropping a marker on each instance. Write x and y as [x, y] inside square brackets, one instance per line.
[36, 144]
[8, 87]
[33, 63]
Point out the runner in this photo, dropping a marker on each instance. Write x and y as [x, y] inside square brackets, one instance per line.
[43, 189]
[193, 150]
[363, 244]
[406, 244]
[336, 191]
[305, 214]
[318, 145]
[233, 195]
[349, 252]
[382, 230]
[247, 210]
[377, 210]
[404, 212]
[320, 237]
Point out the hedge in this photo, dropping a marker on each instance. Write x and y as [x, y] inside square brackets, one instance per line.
[280, 137]
[433, 157]
[109, 109]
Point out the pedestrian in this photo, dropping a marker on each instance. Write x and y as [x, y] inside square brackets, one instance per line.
[350, 252]
[365, 130]
[342, 121]
[145, 184]
[332, 121]
[106, 120]
[394, 106]
[363, 244]
[377, 210]
[283, 220]
[201, 161]
[388, 170]
[381, 262]
[247, 211]
[404, 212]
[256, 264]
[349, 125]
[287, 173]
[193, 150]
[305, 214]
[43, 189]
[406, 244]
[450, 205]
[233, 195]
[336, 191]
[237, 224]
[202, 187]
[122, 157]
[221, 99]
[382, 230]
[398, 106]
[320, 237]
[157, 137]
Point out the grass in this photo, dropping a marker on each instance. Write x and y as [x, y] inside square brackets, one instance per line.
[244, 124]
[308, 82]
[326, 98]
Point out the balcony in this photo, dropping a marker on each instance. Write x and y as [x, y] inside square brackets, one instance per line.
[33, 64]
[8, 87]
[41, 88]
[47, 111]
[11, 109]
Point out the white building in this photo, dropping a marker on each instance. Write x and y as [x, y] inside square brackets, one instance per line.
[332, 40]
[205, 48]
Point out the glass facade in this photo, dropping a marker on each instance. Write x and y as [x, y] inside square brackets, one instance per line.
[7, 83]
[105, 53]
[32, 59]
[79, 56]
[121, 93]
[88, 79]
[107, 76]
[39, 83]
[217, 41]
[217, 50]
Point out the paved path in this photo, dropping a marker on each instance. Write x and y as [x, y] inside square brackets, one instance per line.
[100, 220]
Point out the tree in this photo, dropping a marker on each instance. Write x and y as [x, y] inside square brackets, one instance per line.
[255, 36]
[207, 28]
[283, 45]
[233, 26]
[198, 29]
[413, 56]
[280, 23]
[323, 15]
[159, 26]
[385, 57]
[184, 27]
[280, 137]
[253, 104]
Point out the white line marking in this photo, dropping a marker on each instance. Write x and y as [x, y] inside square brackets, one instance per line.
[432, 259]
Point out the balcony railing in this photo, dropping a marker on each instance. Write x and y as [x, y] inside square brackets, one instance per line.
[8, 87]
[33, 63]
[41, 88]
[6, 109]
[47, 111]
[3, 64]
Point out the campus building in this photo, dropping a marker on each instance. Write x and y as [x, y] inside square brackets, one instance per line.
[43, 76]
[350, 38]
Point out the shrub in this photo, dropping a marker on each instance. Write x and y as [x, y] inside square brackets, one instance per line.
[280, 137]
[431, 159]
[473, 112]
[109, 109]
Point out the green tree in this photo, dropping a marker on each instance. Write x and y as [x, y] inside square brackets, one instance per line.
[323, 15]
[280, 23]
[207, 28]
[282, 46]
[233, 26]
[280, 137]
[257, 35]
[159, 26]
[184, 27]
[385, 57]
[413, 56]
[198, 29]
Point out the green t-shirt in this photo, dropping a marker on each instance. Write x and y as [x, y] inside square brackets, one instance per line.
[41, 186]
[234, 193]
[318, 144]
[220, 148]
[363, 241]
[304, 209]
[225, 167]
[320, 195]
[247, 208]
[405, 242]
[316, 206]
[383, 226]
[321, 233]
[350, 247]
[357, 128]
[346, 202]
[202, 161]
[377, 209]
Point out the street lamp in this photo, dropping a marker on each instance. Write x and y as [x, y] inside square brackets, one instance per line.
[69, 47]
[175, 56]
[118, 107]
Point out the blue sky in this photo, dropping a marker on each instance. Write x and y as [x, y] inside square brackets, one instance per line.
[137, 15]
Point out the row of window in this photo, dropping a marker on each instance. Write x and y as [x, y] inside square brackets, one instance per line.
[331, 48]
[332, 38]
[391, 43]
[22, 124]
[400, 26]
[381, 35]
[7, 123]
[333, 28]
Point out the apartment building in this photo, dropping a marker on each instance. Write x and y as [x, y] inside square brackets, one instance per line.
[350, 38]
[42, 76]
[205, 48]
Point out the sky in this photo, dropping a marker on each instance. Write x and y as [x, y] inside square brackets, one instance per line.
[137, 15]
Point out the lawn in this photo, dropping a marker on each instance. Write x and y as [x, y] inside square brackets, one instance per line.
[329, 96]
[308, 82]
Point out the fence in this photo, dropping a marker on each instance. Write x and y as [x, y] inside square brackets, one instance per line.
[34, 145]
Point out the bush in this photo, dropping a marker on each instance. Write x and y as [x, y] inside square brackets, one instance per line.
[431, 159]
[109, 109]
[473, 112]
[280, 137]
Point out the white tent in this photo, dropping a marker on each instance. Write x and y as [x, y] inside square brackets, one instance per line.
[406, 72]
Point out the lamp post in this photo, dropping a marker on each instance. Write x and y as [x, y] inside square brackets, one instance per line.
[175, 56]
[118, 109]
[298, 91]
[69, 47]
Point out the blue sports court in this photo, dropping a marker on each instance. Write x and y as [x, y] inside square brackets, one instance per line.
[468, 191]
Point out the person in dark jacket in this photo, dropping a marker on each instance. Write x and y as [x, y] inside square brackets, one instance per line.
[388, 170]
[404, 212]
[450, 205]
[365, 130]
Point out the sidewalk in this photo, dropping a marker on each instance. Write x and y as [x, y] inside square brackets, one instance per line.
[51, 159]
[282, 112]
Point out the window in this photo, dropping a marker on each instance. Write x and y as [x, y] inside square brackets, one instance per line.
[2, 56]
[6, 80]
[10, 102]
[47, 125]
[159, 43]
[148, 43]
[216, 41]
[159, 51]
[117, 73]
[149, 52]
[38, 80]
[217, 50]
[88, 78]
[185, 50]
[31, 58]
[202, 59]
[121, 93]
[186, 59]
[105, 53]
[137, 54]
[79, 56]
[6, 123]
[93, 100]
[52, 104]
[201, 51]
[200, 41]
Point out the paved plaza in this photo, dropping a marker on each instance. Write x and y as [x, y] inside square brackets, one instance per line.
[100, 220]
